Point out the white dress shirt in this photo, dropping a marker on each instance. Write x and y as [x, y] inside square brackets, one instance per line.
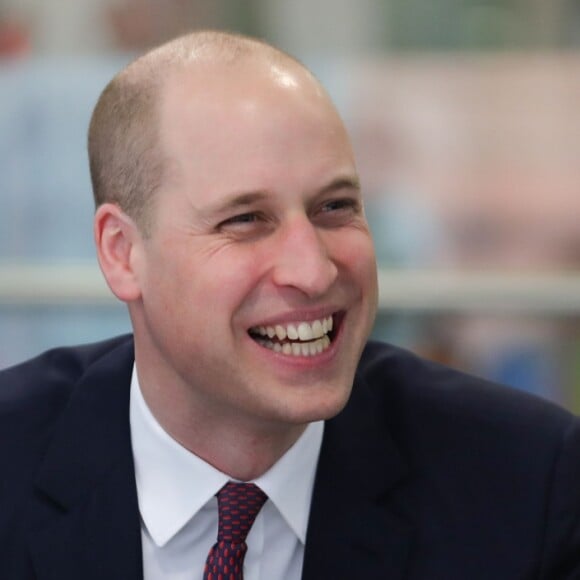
[179, 515]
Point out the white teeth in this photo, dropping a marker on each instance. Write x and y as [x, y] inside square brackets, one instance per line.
[297, 348]
[292, 332]
[317, 330]
[280, 332]
[303, 331]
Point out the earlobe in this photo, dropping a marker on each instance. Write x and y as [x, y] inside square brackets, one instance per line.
[117, 239]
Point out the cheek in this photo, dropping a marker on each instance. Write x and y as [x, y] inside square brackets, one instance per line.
[235, 271]
[357, 257]
[225, 283]
[356, 253]
[168, 286]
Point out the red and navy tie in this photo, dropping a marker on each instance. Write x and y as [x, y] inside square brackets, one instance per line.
[238, 506]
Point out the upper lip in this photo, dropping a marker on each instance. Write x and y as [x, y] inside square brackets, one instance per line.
[297, 316]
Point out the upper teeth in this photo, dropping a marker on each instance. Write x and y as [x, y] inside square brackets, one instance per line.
[303, 331]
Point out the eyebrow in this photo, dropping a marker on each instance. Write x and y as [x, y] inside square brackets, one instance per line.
[237, 200]
[233, 201]
[342, 182]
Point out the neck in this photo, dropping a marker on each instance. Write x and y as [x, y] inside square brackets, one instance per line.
[240, 447]
[242, 456]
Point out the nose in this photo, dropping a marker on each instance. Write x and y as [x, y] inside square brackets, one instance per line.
[303, 260]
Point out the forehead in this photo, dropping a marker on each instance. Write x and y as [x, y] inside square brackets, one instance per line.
[247, 126]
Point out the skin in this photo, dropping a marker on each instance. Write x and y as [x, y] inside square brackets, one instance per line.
[259, 221]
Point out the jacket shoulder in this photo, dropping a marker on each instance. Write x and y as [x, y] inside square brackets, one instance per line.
[410, 388]
[54, 427]
[44, 383]
[476, 452]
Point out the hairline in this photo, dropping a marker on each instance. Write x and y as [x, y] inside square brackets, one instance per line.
[139, 170]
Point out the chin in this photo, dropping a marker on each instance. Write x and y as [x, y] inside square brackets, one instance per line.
[324, 408]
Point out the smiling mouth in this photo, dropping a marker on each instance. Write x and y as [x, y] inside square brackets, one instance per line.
[306, 338]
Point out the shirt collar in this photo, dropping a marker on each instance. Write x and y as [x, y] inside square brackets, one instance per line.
[165, 469]
[290, 481]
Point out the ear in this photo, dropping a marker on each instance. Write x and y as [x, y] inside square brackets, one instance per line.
[117, 239]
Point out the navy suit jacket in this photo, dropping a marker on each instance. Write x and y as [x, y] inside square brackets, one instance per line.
[427, 474]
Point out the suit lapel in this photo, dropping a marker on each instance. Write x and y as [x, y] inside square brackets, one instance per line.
[88, 525]
[86, 511]
[354, 529]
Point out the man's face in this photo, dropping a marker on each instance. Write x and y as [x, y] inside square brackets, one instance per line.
[258, 282]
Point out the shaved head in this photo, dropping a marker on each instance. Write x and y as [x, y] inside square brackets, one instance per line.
[241, 183]
[126, 160]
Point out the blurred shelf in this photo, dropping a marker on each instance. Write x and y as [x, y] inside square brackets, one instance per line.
[400, 290]
[434, 290]
[44, 285]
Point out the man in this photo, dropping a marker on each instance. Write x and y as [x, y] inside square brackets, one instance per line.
[229, 219]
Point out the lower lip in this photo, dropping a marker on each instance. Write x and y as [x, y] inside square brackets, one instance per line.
[306, 361]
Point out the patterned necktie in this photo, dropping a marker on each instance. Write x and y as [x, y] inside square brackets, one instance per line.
[238, 506]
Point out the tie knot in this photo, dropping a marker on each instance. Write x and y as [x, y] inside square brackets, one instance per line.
[238, 505]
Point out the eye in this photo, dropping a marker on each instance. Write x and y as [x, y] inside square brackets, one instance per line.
[344, 204]
[338, 212]
[243, 218]
[245, 225]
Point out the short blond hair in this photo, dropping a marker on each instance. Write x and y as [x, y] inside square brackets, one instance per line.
[126, 161]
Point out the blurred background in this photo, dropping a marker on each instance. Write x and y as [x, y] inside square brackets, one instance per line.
[465, 116]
